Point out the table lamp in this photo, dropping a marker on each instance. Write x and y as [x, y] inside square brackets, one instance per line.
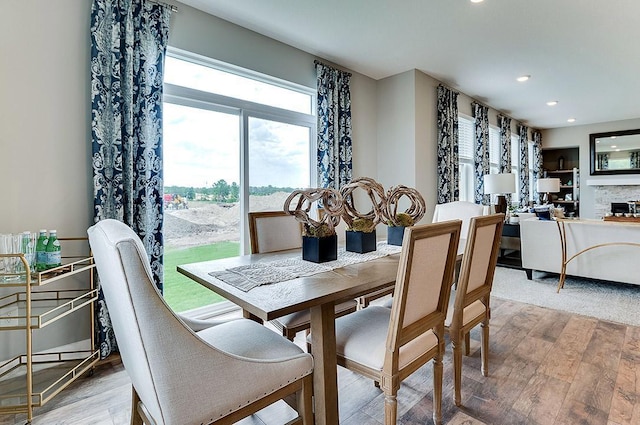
[546, 186]
[500, 184]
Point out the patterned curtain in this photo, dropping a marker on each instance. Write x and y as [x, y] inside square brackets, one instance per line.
[505, 148]
[523, 136]
[603, 161]
[481, 115]
[334, 127]
[128, 45]
[537, 162]
[634, 159]
[448, 164]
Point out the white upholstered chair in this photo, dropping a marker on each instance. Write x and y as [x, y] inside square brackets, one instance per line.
[276, 231]
[388, 345]
[470, 303]
[459, 210]
[217, 375]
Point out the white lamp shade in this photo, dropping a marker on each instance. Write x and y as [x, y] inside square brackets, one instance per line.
[549, 185]
[499, 183]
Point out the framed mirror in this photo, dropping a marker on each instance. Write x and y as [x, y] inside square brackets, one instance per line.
[615, 152]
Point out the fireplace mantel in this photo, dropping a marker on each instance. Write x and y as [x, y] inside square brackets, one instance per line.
[614, 182]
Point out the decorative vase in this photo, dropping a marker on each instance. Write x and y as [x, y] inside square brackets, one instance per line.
[395, 234]
[361, 242]
[320, 250]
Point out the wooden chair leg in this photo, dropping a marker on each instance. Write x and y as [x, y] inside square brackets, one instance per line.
[305, 401]
[456, 342]
[390, 407]
[484, 348]
[467, 344]
[437, 388]
[136, 419]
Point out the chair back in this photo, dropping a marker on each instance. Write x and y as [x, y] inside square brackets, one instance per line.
[459, 210]
[478, 264]
[140, 317]
[423, 284]
[274, 231]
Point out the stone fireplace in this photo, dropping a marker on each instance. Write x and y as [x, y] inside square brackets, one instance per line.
[605, 195]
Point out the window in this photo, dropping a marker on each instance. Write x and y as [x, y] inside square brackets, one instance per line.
[466, 135]
[494, 150]
[531, 174]
[515, 167]
[466, 155]
[466, 149]
[234, 141]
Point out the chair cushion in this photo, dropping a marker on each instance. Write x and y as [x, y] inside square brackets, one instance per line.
[471, 311]
[362, 337]
[246, 338]
[303, 317]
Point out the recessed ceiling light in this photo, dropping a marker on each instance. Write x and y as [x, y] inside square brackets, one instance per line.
[571, 120]
[613, 146]
[477, 1]
[613, 137]
[523, 78]
[552, 102]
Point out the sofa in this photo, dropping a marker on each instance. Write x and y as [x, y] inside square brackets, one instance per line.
[541, 249]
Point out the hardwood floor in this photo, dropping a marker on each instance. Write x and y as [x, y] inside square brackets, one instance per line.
[546, 367]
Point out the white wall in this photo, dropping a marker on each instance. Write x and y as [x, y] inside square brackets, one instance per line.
[578, 136]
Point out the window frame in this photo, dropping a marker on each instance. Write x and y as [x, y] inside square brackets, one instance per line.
[244, 110]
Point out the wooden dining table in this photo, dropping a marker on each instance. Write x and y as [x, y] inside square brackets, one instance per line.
[319, 293]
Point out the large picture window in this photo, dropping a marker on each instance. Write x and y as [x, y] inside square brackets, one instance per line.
[234, 141]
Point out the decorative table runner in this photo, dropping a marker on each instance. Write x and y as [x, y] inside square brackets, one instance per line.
[250, 276]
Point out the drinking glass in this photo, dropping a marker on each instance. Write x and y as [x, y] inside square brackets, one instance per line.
[11, 244]
[28, 246]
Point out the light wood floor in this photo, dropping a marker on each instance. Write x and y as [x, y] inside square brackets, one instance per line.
[546, 367]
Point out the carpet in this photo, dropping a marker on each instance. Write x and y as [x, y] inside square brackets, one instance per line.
[615, 302]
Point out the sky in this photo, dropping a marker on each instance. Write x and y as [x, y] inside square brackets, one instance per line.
[203, 146]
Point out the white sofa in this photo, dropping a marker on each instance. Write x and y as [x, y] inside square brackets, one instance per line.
[541, 249]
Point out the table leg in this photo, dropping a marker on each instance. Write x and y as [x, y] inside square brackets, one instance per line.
[250, 316]
[325, 379]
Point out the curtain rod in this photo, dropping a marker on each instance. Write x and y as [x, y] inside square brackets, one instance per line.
[172, 7]
[317, 62]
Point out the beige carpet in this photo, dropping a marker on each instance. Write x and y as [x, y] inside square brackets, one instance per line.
[611, 301]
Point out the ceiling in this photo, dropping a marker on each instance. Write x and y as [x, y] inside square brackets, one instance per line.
[585, 54]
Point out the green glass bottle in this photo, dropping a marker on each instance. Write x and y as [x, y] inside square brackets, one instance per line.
[41, 251]
[54, 256]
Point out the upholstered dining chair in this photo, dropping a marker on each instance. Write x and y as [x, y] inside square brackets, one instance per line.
[459, 210]
[275, 231]
[217, 375]
[469, 304]
[388, 345]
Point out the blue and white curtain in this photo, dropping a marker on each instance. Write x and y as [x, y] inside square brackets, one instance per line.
[448, 150]
[537, 162]
[523, 138]
[634, 159]
[128, 46]
[334, 127]
[603, 161]
[481, 162]
[505, 143]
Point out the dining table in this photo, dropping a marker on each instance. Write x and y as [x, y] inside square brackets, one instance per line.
[318, 292]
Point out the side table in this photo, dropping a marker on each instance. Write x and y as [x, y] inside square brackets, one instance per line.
[510, 246]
